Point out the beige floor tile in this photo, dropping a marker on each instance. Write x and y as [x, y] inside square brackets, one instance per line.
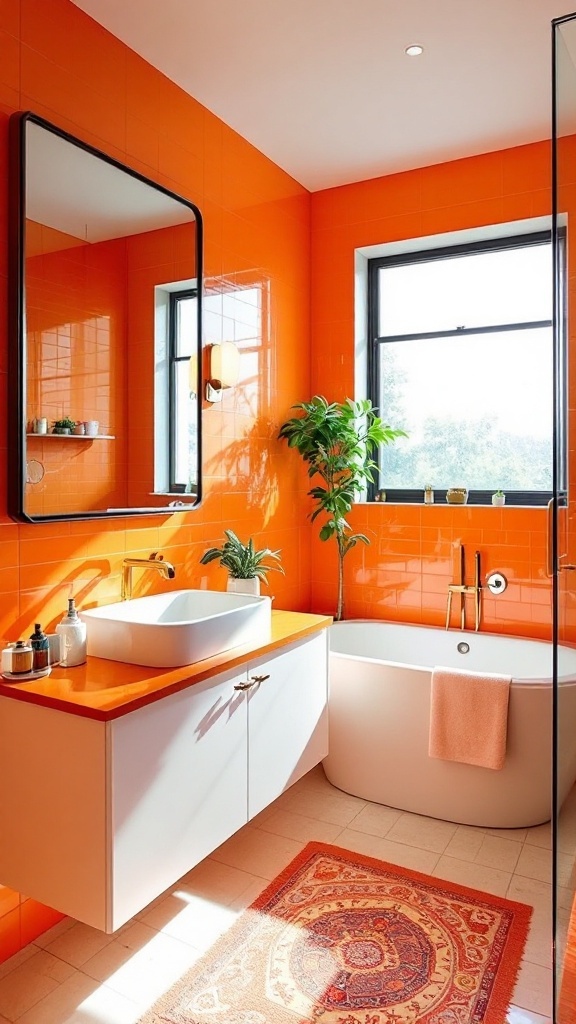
[196, 921]
[58, 929]
[538, 949]
[535, 862]
[315, 779]
[109, 959]
[153, 969]
[105, 1006]
[247, 897]
[58, 1007]
[218, 882]
[565, 897]
[496, 852]
[333, 806]
[517, 835]
[475, 876]
[375, 819]
[533, 989]
[30, 982]
[383, 849]
[425, 833]
[297, 826]
[77, 944]
[19, 958]
[566, 865]
[259, 853]
[465, 843]
[566, 837]
[516, 1015]
[263, 816]
[541, 835]
[529, 890]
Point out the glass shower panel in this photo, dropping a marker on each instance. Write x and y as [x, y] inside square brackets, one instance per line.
[564, 533]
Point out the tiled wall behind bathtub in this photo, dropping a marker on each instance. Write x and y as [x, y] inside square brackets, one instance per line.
[404, 573]
[57, 62]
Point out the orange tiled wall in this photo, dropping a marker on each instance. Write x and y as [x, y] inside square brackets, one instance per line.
[75, 317]
[404, 573]
[59, 63]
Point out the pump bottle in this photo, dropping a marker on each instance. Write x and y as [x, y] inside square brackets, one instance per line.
[72, 633]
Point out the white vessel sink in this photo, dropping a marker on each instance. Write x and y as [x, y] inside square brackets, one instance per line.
[176, 628]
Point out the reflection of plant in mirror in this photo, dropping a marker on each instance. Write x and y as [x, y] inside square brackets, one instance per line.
[337, 441]
[242, 561]
[64, 424]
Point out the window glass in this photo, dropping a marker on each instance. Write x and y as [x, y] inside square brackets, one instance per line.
[183, 406]
[493, 287]
[478, 411]
[186, 314]
[185, 454]
[462, 360]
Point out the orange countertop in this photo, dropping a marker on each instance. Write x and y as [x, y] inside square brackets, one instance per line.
[109, 689]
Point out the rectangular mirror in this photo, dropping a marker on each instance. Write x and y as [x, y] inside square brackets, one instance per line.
[105, 334]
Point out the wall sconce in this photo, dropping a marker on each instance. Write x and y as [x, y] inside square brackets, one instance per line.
[224, 370]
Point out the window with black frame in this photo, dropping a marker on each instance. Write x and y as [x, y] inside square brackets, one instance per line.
[461, 358]
[183, 371]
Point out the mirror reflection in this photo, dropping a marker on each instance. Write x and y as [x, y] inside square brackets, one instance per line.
[105, 414]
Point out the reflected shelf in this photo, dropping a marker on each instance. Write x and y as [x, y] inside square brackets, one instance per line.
[74, 437]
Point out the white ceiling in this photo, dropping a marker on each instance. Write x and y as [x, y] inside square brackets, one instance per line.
[323, 87]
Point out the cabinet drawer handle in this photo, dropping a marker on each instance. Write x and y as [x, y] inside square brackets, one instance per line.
[251, 682]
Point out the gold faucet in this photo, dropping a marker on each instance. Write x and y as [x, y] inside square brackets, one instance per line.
[156, 561]
[462, 589]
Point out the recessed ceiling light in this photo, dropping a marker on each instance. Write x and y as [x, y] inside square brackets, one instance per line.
[414, 50]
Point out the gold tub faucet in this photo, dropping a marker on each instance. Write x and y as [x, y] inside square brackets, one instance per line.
[463, 589]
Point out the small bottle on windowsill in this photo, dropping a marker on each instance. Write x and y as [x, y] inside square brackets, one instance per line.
[428, 495]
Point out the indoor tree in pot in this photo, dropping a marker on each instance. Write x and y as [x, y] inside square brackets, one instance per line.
[245, 565]
[337, 440]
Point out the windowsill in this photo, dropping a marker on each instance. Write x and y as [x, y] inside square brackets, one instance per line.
[447, 505]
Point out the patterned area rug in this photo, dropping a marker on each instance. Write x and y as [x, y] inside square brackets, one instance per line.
[339, 938]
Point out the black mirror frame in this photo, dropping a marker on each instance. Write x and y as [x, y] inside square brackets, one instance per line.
[16, 406]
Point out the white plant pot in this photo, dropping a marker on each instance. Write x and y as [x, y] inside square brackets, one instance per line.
[251, 587]
[498, 499]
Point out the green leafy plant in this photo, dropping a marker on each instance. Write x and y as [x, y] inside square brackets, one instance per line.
[242, 561]
[64, 424]
[498, 494]
[336, 440]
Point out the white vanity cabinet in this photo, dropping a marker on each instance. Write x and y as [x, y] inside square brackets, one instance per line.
[287, 720]
[177, 788]
[103, 816]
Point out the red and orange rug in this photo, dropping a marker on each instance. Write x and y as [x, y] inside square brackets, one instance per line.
[339, 938]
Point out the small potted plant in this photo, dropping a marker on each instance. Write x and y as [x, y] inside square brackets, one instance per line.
[64, 426]
[498, 498]
[246, 566]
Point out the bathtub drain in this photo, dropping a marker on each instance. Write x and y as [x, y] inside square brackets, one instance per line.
[463, 647]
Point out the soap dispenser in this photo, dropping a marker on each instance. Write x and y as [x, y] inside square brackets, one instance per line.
[40, 648]
[72, 632]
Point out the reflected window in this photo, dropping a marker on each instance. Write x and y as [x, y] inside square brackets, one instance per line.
[183, 373]
[462, 360]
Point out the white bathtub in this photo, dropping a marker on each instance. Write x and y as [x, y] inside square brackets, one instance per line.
[380, 676]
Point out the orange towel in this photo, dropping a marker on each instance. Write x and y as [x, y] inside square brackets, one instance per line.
[469, 717]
